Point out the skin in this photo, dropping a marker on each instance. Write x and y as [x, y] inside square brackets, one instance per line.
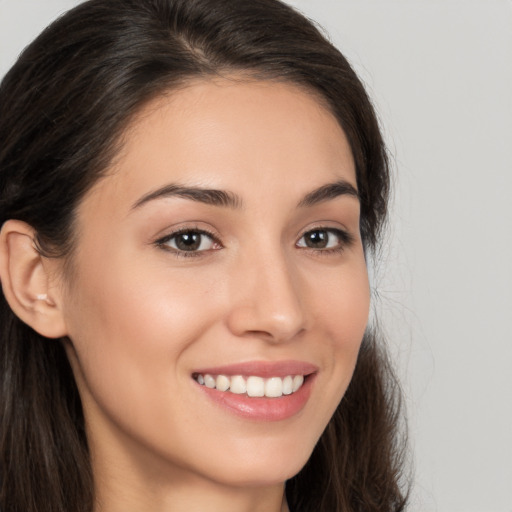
[141, 317]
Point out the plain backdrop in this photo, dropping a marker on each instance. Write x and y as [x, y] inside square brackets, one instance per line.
[440, 75]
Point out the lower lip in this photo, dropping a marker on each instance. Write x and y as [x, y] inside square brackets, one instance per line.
[262, 408]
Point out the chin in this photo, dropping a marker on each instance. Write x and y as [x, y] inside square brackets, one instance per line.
[259, 468]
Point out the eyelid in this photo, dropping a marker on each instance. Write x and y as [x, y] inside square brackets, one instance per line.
[161, 242]
[346, 239]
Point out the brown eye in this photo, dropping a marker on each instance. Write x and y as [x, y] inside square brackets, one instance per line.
[318, 239]
[189, 241]
[321, 239]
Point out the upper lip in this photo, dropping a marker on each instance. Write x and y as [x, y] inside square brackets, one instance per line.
[261, 369]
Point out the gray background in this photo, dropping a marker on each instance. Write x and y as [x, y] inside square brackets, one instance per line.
[440, 74]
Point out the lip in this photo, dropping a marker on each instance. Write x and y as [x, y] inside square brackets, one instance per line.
[262, 408]
[261, 369]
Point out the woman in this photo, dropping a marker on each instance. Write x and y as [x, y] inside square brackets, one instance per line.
[189, 192]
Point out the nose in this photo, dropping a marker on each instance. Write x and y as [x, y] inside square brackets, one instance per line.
[267, 301]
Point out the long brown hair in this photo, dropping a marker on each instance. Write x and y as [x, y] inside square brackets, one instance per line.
[63, 108]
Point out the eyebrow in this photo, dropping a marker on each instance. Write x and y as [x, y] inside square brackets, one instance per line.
[328, 192]
[202, 195]
[228, 199]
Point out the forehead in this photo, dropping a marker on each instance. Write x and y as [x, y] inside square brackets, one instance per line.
[231, 134]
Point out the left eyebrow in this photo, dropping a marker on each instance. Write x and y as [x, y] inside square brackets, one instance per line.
[327, 192]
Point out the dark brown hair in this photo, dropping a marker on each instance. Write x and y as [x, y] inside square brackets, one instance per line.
[63, 108]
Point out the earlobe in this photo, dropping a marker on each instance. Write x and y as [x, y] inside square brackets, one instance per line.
[27, 282]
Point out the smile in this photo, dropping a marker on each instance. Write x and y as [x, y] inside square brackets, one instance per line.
[258, 390]
[252, 386]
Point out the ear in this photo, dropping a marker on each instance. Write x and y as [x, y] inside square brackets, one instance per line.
[29, 280]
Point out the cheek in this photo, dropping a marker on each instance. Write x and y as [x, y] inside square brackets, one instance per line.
[137, 305]
[344, 308]
[130, 325]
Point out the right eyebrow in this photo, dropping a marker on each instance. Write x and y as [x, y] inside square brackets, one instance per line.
[209, 196]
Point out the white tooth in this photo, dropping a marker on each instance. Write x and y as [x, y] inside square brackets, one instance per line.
[209, 381]
[222, 383]
[200, 379]
[238, 385]
[255, 386]
[288, 385]
[297, 382]
[274, 387]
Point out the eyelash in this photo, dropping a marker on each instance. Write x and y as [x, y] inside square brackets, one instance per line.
[189, 230]
[345, 240]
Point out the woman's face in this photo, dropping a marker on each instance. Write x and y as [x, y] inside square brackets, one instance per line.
[222, 249]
